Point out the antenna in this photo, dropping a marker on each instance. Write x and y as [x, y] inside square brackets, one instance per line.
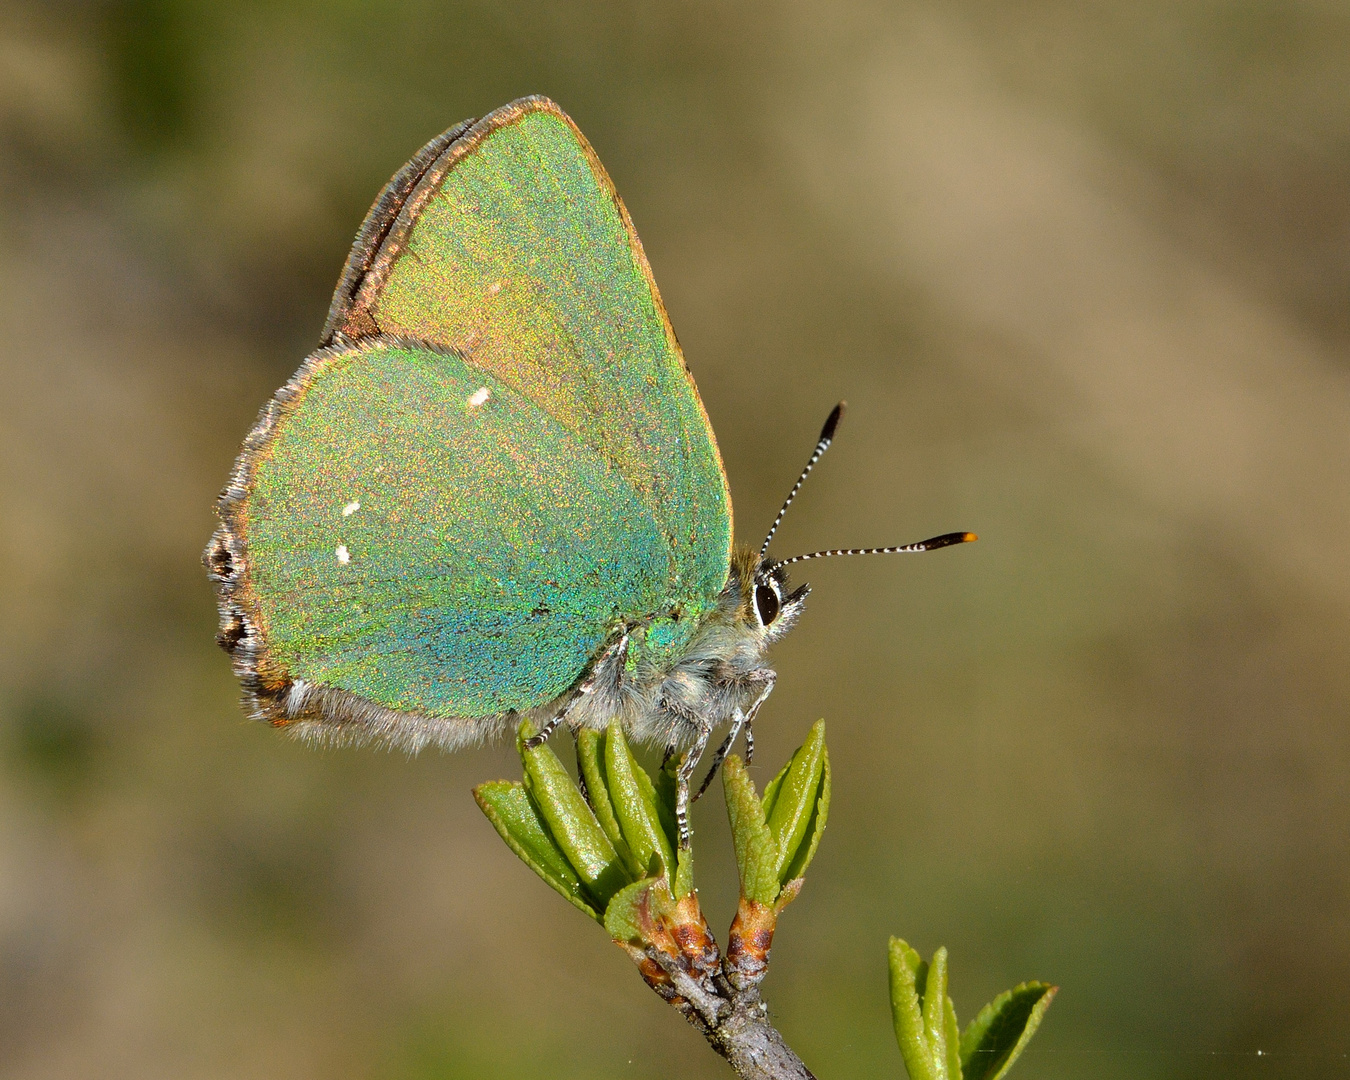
[826, 437]
[945, 540]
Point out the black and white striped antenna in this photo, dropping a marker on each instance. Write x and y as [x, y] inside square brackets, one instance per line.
[823, 444]
[945, 540]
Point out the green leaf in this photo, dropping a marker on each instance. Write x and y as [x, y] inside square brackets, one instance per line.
[591, 765]
[931, 985]
[951, 1041]
[757, 854]
[635, 806]
[908, 974]
[795, 793]
[666, 787]
[684, 873]
[515, 817]
[624, 917]
[571, 823]
[1002, 1030]
[815, 827]
[770, 798]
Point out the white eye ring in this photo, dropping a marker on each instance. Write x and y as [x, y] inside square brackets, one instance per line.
[768, 601]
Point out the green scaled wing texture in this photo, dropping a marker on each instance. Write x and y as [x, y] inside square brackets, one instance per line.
[505, 400]
[483, 554]
[515, 250]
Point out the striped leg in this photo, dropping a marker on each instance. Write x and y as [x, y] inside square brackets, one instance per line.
[686, 770]
[741, 720]
[737, 722]
[617, 649]
[537, 740]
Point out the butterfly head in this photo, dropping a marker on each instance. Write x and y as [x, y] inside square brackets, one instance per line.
[767, 600]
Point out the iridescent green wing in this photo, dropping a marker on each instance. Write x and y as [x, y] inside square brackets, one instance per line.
[499, 460]
[423, 537]
[512, 248]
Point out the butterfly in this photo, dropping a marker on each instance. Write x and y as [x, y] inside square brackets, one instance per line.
[493, 494]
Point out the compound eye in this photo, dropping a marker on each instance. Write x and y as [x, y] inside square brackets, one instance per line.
[766, 603]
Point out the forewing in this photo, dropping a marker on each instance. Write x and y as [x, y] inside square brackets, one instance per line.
[514, 250]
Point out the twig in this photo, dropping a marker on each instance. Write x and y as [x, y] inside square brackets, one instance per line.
[753, 1046]
[719, 995]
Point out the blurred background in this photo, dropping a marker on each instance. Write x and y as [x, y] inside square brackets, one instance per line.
[1082, 271]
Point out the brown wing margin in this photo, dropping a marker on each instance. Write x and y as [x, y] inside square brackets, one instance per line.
[379, 220]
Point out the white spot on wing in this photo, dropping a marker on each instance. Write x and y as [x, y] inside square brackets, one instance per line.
[479, 397]
[351, 508]
[343, 555]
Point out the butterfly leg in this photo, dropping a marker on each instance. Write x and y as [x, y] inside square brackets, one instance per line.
[750, 717]
[737, 722]
[537, 740]
[741, 720]
[581, 773]
[617, 649]
[682, 776]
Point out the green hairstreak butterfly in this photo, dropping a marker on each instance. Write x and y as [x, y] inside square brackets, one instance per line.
[493, 493]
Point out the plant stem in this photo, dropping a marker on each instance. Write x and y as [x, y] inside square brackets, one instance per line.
[753, 1046]
[733, 1020]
